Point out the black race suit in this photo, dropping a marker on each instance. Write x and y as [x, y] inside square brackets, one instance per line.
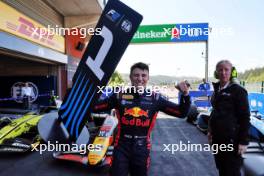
[136, 115]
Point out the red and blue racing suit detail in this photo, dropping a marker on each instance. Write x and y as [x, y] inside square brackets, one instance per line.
[136, 115]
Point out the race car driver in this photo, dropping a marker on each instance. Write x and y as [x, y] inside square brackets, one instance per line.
[136, 112]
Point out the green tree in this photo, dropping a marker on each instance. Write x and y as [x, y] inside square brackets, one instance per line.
[252, 75]
[116, 79]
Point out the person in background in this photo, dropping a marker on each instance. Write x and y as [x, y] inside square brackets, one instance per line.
[204, 86]
[229, 120]
[26, 94]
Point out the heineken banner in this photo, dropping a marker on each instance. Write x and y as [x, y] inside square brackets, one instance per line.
[171, 33]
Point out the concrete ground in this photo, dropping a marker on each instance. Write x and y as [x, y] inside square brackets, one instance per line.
[168, 130]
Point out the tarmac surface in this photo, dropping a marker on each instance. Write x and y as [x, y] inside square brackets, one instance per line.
[168, 130]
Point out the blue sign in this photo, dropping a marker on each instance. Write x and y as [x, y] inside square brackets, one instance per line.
[200, 98]
[190, 32]
[256, 102]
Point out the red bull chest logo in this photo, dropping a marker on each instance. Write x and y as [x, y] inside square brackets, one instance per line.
[136, 112]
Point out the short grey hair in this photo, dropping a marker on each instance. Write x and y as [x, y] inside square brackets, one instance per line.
[223, 62]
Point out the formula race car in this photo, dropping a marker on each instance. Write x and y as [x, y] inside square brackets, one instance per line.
[18, 132]
[19, 135]
[200, 105]
[254, 157]
[99, 157]
[199, 117]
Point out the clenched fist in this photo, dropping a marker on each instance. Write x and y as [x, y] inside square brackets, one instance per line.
[183, 87]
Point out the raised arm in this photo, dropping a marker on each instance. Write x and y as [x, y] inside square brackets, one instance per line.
[105, 104]
[178, 110]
